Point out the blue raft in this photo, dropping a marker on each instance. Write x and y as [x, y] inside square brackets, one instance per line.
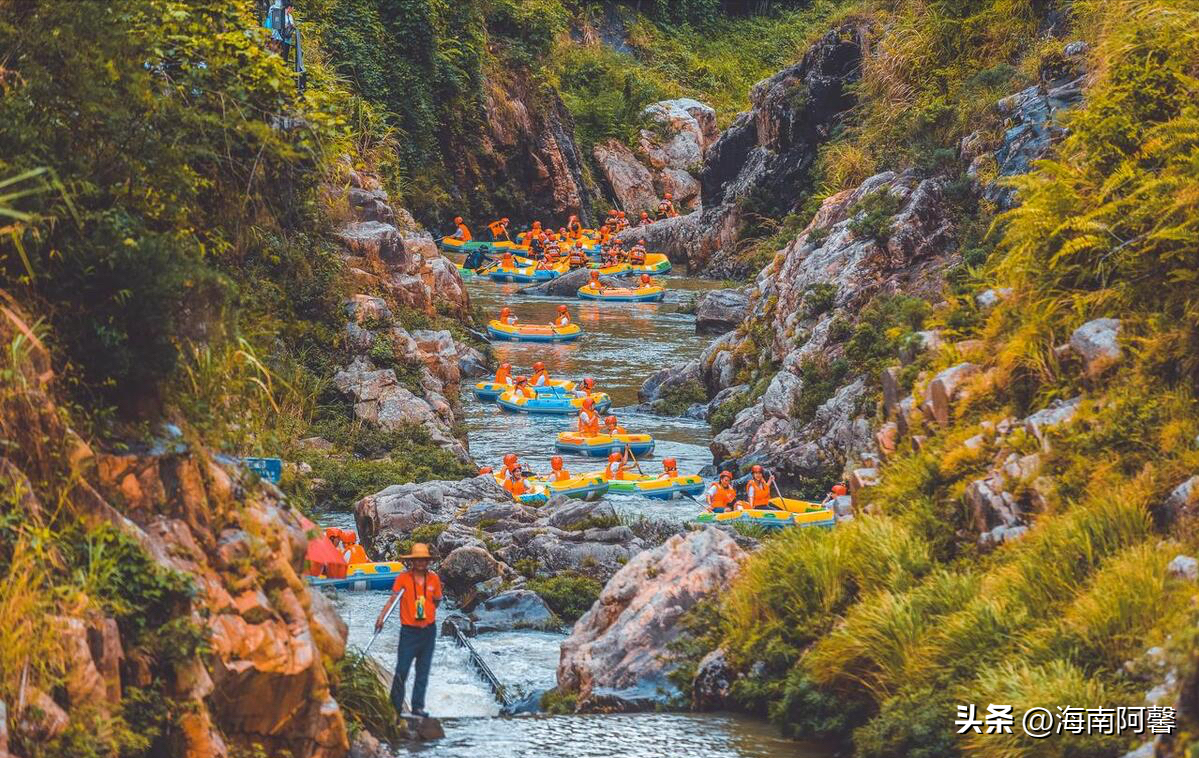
[363, 576]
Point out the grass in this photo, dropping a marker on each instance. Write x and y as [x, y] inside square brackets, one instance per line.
[362, 697]
[569, 595]
[678, 398]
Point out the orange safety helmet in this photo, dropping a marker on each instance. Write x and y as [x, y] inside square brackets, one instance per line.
[610, 421]
[613, 457]
[669, 196]
[756, 468]
[644, 214]
[349, 537]
[645, 278]
[562, 309]
[457, 219]
[670, 463]
[506, 366]
[726, 475]
[620, 214]
[505, 311]
[839, 489]
[588, 382]
[538, 366]
[588, 403]
[556, 463]
[521, 379]
[510, 459]
[332, 532]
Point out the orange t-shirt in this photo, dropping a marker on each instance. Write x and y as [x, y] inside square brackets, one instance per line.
[430, 588]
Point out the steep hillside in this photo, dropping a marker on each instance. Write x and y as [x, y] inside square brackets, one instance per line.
[998, 351]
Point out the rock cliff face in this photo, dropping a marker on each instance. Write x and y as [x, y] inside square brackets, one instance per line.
[263, 680]
[613, 658]
[667, 159]
[398, 270]
[761, 162]
[527, 143]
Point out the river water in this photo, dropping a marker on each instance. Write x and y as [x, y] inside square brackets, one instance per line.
[624, 344]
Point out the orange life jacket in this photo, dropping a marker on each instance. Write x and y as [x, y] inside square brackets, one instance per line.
[559, 476]
[668, 473]
[563, 320]
[588, 422]
[516, 487]
[503, 375]
[464, 233]
[357, 554]
[578, 258]
[542, 374]
[758, 493]
[614, 470]
[724, 496]
[498, 229]
[507, 260]
[616, 430]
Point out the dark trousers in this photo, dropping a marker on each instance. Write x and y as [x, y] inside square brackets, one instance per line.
[416, 644]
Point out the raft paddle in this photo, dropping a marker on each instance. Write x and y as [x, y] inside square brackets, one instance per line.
[386, 616]
[628, 449]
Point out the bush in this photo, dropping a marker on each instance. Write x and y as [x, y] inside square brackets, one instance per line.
[821, 380]
[678, 398]
[363, 699]
[872, 216]
[912, 725]
[818, 298]
[568, 594]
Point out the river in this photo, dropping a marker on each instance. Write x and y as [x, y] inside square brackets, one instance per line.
[624, 344]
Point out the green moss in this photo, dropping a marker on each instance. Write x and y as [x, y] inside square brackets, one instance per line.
[568, 594]
[557, 703]
[872, 216]
[593, 522]
[678, 398]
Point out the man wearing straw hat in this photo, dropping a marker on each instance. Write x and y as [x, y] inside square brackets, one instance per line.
[418, 591]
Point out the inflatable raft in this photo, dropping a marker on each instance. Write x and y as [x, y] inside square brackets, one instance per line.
[525, 274]
[583, 487]
[772, 519]
[450, 244]
[655, 263]
[657, 488]
[363, 576]
[533, 332]
[600, 445]
[488, 391]
[553, 405]
[652, 293]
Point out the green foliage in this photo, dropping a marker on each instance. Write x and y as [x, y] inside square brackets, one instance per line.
[821, 380]
[679, 397]
[593, 522]
[911, 725]
[363, 698]
[818, 298]
[568, 594]
[700, 632]
[557, 703]
[872, 216]
[426, 533]
[170, 167]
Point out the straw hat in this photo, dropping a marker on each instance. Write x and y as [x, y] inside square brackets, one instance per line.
[419, 550]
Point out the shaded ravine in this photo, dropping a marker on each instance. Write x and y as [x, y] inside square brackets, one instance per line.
[624, 344]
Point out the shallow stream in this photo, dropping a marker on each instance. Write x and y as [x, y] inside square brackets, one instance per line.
[624, 344]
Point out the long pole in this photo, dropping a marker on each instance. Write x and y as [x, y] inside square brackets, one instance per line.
[386, 616]
[629, 449]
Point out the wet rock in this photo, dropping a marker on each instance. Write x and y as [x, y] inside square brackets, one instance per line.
[471, 362]
[615, 650]
[1184, 567]
[1059, 413]
[428, 729]
[514, 609]
[1098, 343]
[389, 515]
[566, 285]
[718, 311]
[711, 690]
[467, 566]
[366, 745]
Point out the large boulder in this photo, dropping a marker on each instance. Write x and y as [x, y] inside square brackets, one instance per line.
[711, 689]
[465, 567]
[390, 515]
[514, 609]
[629, 179]
[718, 311]
[615, 654]
[566, 285]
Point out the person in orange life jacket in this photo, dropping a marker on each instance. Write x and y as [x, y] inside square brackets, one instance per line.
[757, 490]
[541, 377]
[585, 390]
[722, 495]
[557, 473]
[645, 220]
[563, 317]
[354, 552]
[666, 207]
[577, 258]
[837, 491]
[646, 280]
[507, 260]
[503, 375]
[507, 316]
[622, 223]
[499, 230]
[605, 233]
[616, 463]
[595, 282]
[511, 463]
[637, 253]
[535, 242]
[573, 224]
[463, 233]
[333, 534]
[588, 418]
[516, 484]
[612, 427]
[418, 630]
[670, 469]
[523, 388]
